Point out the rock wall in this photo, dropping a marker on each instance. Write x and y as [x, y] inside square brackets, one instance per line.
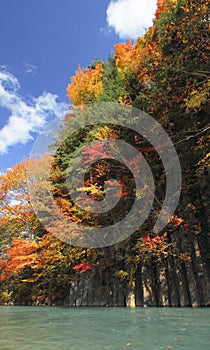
[176, 283]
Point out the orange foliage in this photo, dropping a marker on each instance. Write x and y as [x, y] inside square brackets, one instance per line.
[50, 250]
[155, 241]
[176, 220]
[14, 179]
[21, 254]
[86, 84]
[135, 58]
[127, 56]
[164, 6]
[14, 199]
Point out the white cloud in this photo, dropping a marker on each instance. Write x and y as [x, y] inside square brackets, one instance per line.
[129, 18]
[25, 117]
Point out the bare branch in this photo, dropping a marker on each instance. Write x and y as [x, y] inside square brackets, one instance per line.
[199, 132]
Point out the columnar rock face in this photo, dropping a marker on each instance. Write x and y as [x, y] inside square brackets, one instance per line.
[175, 283]
[181, 280]
[92, 290]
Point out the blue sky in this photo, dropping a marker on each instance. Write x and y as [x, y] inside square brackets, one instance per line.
[41, 44]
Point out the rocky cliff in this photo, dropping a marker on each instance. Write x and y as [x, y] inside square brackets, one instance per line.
[177, 282]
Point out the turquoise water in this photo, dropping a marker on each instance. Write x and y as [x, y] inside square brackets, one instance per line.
[54, 328]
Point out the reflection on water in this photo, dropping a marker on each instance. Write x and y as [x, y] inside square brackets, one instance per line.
[54, 328]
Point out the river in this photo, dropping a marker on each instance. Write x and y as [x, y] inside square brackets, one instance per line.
[57, 328]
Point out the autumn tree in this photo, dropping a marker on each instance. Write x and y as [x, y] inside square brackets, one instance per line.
[35, 267]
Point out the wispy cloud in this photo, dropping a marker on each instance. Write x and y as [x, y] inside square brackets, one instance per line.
[129, 18]
[106, 31]
[30, 69]
[26, 116]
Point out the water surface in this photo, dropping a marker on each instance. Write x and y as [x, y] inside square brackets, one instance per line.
[55, 328]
